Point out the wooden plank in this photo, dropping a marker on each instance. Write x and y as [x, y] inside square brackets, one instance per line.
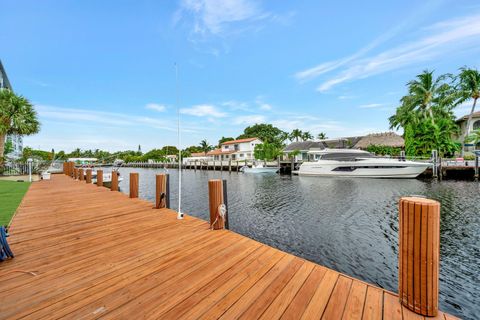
[373, 308]
[355, 301]
[320, 299]
[392, 309]
[338, 299]
[283, 299]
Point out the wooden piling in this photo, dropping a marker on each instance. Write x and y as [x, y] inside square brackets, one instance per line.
[292, 165]
[229, 165]
[476, 175]
[435, 163]
[114, 182]
[162, 191]
[99, 178]
[75, 173]
[133, 185]
[81, 176]
[216, 199]
[89, 176]
[419, 234]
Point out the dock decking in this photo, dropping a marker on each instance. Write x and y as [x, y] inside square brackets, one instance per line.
[94, 253]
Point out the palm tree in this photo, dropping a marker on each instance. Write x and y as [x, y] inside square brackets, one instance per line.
[307, 136]
[469, 88]
[322, 136]
[205, 146]
[425, 93]
[17, 116]
[296, 134]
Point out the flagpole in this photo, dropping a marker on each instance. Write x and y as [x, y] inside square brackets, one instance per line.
[179, 213]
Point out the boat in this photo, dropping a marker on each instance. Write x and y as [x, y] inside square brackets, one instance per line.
[259, 168]
[358, 163]
[107, 177]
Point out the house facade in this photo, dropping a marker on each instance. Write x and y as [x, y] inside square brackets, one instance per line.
[15, 140]
[241, 149]
[474, 125]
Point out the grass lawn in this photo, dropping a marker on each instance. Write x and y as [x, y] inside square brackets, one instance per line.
[11, 194]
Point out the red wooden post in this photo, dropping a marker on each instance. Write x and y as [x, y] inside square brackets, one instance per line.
[99, 178]
[89, 176]
[114, 183]
[162, 196]
[81, 177]
[216, 200]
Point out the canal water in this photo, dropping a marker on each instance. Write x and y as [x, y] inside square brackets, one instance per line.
[349, 225]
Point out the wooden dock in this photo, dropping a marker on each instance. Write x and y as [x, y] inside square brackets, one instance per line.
[85, 252]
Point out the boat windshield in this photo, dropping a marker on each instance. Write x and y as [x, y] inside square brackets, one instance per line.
[344, 156]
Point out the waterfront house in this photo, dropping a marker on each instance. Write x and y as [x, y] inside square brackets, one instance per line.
[302, 147]
[385, 139]
[16, 140]
[197, 157]
[474, 125]
[241, 149]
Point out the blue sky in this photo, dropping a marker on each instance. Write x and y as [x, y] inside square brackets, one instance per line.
[101, 73]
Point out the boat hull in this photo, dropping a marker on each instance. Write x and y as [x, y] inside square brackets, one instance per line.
[364, 169]
[260, 170]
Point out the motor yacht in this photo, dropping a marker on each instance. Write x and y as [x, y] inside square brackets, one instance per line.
[358, 163]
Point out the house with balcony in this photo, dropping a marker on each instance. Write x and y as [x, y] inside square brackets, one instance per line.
[236, 150]
[15, 140]
[474, 125]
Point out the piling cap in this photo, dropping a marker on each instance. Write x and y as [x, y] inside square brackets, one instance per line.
[418, 199]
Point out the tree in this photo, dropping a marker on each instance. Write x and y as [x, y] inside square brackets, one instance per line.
[469, 88]
[193, 149]
[296, 134]
[474, 137]
[266, 133]
[8, 148]
[170, 150]
[426, 116]
[205, 146]
[224, 139]
[266, 151]
[307, 136]
[322, 136]
[17, 116]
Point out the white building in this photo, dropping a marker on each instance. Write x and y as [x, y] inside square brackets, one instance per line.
[241, 149]
[16, 140]
[197, 157]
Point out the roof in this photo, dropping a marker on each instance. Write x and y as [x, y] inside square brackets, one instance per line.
[465, 117]
[197, 154]
[240, 141]
[389, 139]
[345, 142]
[304, 146]
[217, 152]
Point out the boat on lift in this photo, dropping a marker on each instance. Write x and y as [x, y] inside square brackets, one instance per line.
[259, 168]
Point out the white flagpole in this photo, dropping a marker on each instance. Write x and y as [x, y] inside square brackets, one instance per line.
[179, 213]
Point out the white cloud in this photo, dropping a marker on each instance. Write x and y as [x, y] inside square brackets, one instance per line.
[156, 107]
[265, 106]
[437, 41]
[371, 105]
[212, 16]
[249, 120]
[203, 110]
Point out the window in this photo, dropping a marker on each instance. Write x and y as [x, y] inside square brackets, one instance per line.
[476, 125]
[236, 147]
[241, 155]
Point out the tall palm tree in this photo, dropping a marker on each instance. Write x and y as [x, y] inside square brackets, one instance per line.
[205, 146]
[296, 134]
[17, 116]
[425, 93]
[469, 88]
[307, 136]
[322, 136]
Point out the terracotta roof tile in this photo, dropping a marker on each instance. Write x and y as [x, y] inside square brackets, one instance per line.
[240, 140]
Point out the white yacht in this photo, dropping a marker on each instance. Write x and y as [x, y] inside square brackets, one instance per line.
[358, 163]
[259, 168]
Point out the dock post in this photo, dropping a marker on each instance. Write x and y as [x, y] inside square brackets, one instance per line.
[99, 178]
[402, 155]
[72, 167]
[230, 165]
[114, 183]
[75, 173]
[162, 191]
[217, 204]
[435, 164]
[80, 175]
[89, 176]
[133, 185]
[292, 165]
[419, 239]
[477, 160]
[195, 167]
